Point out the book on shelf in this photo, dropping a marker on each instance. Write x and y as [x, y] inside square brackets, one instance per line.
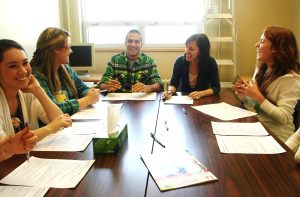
[171, 170]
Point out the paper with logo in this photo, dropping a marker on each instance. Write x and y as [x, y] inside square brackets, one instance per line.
[171, 170]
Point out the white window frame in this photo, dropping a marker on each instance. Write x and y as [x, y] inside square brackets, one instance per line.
[140, 26]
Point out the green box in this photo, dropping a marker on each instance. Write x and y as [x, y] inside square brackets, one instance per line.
[110, 145]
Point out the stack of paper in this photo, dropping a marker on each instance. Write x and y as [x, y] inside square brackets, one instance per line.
[130, 96]
[23, 191]
[63, 143]
[95, 112]
[224, 111]
[58, 173]
[180, 100]
[74, 138]
[249, 138]
[249, 144]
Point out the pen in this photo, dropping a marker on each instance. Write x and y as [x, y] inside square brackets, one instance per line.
[101, 91]
[27, 153]
[155, 139]
[28, 156]
[242, 79]
[167, 94]
[184, 110]
[166, 124]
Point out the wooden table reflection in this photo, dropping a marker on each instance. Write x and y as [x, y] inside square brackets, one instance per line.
[124, 174]
[238, 174]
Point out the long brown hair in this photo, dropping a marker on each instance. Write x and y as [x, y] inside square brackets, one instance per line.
[286, 57]
[43, 59]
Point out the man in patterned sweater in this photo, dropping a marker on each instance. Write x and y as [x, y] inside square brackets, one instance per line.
[132, 70]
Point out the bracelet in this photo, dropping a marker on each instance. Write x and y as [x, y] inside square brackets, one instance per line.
[257, 108]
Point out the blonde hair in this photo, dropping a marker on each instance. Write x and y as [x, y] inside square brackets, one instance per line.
[43, 60]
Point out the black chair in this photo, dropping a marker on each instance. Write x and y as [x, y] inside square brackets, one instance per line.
[296, 115]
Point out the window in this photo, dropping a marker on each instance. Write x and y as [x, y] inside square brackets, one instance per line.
[162, 22]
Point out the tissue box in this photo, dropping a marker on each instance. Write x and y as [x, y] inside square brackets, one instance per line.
[110, 145]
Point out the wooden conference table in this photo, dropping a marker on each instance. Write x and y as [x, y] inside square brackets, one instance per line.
[124, 174]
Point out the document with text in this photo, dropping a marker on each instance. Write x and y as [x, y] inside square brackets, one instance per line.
[130, 96]
[238, 128]
[224, 111]
[180, 100]
[66, 143]
[94, 112]
[91, 113]
[249, 144]
[15, 191]
[84, 128]
[56, 173]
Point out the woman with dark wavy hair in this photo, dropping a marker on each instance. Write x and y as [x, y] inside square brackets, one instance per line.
[23, 103]
[276, 88]
[195, 73]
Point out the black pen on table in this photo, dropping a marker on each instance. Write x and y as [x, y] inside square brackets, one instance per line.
[155, 139]
[27, 153]
[166, 124]
[184, 110]
[169, 93]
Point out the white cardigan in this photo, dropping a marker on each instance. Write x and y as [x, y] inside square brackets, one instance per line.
[293, 142]
[278, 107]
[31, 108]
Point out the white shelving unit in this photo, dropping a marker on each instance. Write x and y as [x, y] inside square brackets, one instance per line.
[219, 26]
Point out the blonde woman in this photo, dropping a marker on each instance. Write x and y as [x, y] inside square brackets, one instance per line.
[51, 69]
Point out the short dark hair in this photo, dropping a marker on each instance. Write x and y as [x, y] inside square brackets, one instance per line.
[134, 31]
[6, 44]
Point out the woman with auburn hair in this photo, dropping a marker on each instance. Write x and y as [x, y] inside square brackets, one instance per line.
[58, 79]
[276, 88]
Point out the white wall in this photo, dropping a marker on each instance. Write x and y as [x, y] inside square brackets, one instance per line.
[24, 20]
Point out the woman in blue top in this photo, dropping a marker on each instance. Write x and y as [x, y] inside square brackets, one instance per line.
[195, 73]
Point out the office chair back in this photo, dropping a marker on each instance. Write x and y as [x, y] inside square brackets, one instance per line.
[296, 115]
